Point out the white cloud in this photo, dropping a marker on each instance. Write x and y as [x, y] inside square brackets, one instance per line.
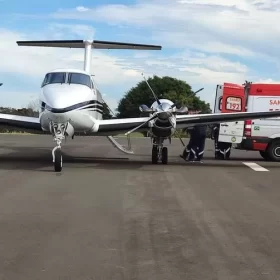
[16, 98]
[64, 30]
[82, 9]
[268, 81]
[124, 72]
[202, 30]
[242, 27]
[35, 61]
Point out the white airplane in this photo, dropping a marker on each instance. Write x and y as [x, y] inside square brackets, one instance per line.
[71, 103]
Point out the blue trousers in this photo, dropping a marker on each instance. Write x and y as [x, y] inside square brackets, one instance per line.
[197, 148]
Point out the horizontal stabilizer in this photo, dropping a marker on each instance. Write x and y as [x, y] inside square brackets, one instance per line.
[82, 43]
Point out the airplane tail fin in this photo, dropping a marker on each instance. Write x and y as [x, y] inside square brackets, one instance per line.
[88, 45]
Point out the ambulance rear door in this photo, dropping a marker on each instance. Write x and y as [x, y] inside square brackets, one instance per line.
[233, 101]
[265, 97]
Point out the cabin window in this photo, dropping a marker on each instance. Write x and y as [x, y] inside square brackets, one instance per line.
[81, 79]
[234, 103]
[54, 78]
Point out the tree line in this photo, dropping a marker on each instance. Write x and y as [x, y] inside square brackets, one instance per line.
[167, 87]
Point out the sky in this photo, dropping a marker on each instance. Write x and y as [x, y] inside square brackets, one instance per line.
[204, 42]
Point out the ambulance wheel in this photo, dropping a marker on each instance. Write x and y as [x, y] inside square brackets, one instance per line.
[58, 160]
[155, 155]
[164, 156]
[264, 155]
[273, 151]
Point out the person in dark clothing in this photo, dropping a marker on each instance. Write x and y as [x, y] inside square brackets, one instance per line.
[222, 149]
[215, 136]
[186, 151]
[198, 142]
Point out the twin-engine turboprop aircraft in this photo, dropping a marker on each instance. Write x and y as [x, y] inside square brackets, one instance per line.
[71, 103]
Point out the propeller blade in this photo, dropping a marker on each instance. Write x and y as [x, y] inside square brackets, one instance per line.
[198, 90]
[175, 103]
[156, 98]
[139, 126]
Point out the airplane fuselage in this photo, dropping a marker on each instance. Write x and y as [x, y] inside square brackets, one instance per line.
[70, 96]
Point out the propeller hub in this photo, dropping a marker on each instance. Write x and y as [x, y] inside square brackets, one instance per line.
[164, 107]
[164, 115]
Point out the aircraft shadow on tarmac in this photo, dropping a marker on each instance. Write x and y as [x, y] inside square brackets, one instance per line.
[37, 159]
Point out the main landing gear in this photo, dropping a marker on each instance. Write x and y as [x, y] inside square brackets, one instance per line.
[159, 152]
[58, 131]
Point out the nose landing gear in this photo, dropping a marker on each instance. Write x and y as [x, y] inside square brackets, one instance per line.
[159, 152]
[58, 131]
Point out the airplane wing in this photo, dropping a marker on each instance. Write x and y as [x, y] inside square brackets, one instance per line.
[118, 126]
[20, 122]
[188, 120]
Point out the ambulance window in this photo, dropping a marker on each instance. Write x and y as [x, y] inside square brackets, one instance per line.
[220, 105]
[81, 79]
[54, 78]
[234, 103]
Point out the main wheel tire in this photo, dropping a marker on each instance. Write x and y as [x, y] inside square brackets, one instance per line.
[58, 160]
[164, 157]
[264, 155]
[155, 155]
[273, 151]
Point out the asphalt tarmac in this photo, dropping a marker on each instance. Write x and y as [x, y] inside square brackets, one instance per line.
[113, 216]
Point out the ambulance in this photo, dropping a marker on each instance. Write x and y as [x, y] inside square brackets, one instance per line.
[261, 135]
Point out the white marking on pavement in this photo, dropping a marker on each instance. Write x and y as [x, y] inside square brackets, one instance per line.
[255, 166]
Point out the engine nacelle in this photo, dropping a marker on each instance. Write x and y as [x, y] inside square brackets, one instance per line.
[182, 110]
[164, 128]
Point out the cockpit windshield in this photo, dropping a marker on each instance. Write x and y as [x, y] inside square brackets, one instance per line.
[54, 78]
[78, 78]
[69, 78]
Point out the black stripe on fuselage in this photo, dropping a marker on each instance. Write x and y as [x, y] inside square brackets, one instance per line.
[94, 103]
[93, 110]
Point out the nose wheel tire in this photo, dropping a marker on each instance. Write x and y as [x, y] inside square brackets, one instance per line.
[58, 160]
[164, 156]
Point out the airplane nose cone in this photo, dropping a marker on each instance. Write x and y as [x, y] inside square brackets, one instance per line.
[165, 106]
[62, 96]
